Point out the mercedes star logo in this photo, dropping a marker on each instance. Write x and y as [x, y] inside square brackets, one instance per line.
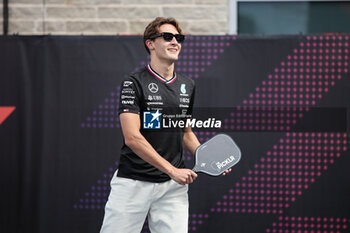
[153, 87]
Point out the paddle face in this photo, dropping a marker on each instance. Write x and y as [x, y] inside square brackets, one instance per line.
[217, 155]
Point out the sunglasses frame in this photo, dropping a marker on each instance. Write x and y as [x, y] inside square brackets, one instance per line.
[179, 37]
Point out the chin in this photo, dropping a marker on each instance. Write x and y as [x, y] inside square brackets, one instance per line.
[174, 57]
[171, 59]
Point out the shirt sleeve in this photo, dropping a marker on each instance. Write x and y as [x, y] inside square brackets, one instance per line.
[129, 100]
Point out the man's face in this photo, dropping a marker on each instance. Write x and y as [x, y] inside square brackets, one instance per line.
[167, 50]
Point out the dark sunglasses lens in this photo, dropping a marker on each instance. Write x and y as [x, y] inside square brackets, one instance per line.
[168, 36]
[180, 38]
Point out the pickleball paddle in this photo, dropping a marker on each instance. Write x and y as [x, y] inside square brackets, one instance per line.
[216, 155]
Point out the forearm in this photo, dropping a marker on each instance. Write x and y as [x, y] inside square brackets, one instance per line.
[190, 141]
[140, 146]
[144, 150]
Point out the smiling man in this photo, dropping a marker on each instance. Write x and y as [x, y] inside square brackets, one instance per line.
[152, 180]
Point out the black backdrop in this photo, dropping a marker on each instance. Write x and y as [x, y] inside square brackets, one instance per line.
[60, 146]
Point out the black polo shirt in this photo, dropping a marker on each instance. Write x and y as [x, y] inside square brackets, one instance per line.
[145, 92]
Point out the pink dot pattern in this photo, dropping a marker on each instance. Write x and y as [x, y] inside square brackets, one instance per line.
[305, 75]
[293, 224]
[200, 52]
[284, 173]
[263, 118]
[106, 115]
[196, 220]
[302, 79]
[97, 197]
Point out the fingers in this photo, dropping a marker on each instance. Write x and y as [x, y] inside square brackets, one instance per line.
[189, 180]
[185, 176]
[227, 171]
[191, 176]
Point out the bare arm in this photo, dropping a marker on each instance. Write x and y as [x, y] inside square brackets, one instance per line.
[190, 140]
[130, 123]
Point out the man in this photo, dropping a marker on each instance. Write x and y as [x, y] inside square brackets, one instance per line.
[152, 180]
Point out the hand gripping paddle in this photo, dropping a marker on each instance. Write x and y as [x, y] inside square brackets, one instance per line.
[216, 155]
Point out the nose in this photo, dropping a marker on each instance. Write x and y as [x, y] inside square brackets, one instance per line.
[174, 41]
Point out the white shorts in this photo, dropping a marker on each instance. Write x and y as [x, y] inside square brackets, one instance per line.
[131, 201]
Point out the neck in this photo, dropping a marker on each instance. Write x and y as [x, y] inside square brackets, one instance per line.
[163, 69]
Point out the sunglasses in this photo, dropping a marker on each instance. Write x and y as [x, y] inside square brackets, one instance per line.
[167, 36]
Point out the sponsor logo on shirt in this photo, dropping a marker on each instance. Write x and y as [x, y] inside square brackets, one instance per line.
[183, 88]
[127, 83]
[154, 103]
[128, 91]
[154, 97]
[127, 101]
[127, 97]
[153, 87]
[184, 100]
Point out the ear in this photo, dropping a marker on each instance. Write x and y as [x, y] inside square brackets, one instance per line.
[149, 44]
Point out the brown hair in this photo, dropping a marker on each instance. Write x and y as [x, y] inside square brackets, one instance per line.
[153, 28]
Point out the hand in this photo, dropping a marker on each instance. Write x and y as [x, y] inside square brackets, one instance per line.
[227, 171]
[183, 176]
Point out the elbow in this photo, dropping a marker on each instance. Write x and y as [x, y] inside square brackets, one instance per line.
[131, 141]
